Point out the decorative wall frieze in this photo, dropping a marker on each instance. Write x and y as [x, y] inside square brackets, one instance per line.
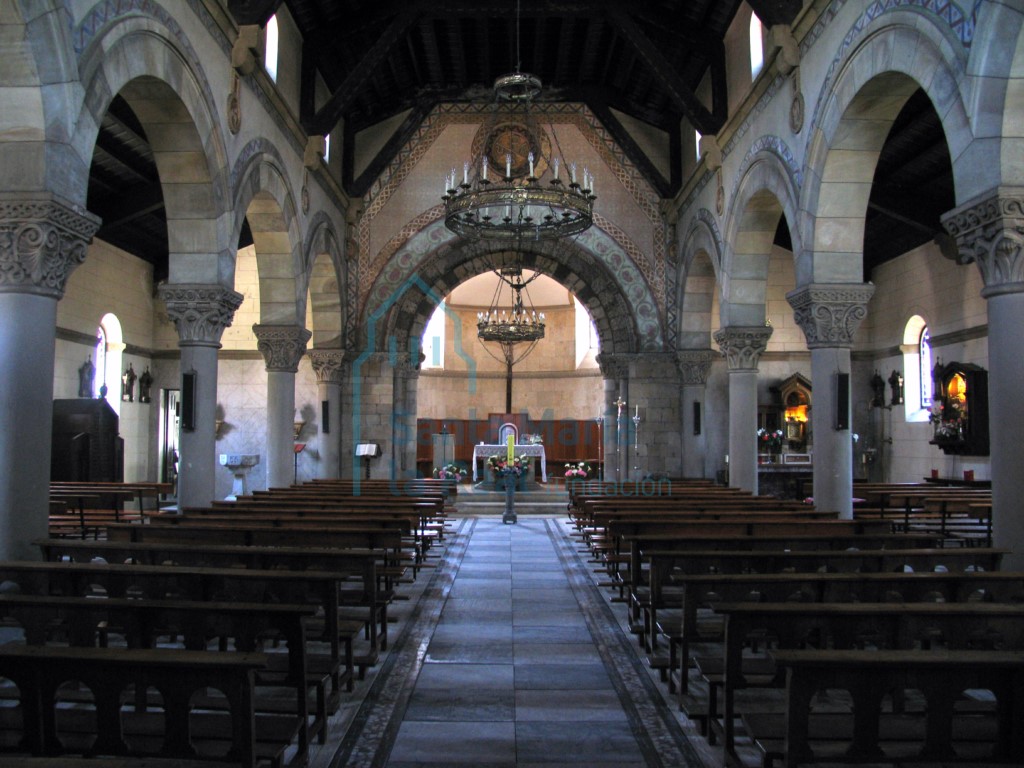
[829, 314]
[694, 365]
[742, 345]
[200, 313]
[42, 239]
[329, 365]
[282, 346]
[614, 366]
[989, 231]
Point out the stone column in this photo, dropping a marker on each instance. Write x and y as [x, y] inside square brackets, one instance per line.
[200, 314]
[42, 239]
[282, 346]
[328, 365]
[988, 232]
[694, 366]
[404, 418]
[615, 369]
[742, 347]
[829, 315]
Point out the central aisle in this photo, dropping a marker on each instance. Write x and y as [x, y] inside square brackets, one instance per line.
[513, 657]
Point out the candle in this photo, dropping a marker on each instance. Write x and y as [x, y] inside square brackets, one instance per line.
[484, 176]
[556, 169]
[636, 413]
[465, 173]
[511, 451]
[508, 166]
[529, 157]
[572, 172]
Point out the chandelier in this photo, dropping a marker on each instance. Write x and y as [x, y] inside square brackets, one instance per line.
[516, 333]
[515, 191]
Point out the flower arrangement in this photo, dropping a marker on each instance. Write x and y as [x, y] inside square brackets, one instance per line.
[769, 440]
[449, 472]
[501, 466]
[577, 471]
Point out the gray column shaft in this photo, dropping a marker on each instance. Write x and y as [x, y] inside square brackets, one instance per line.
[280, 428]
[742, 429]
[833, 449]
[608, 431]
[329, 442]
[197, 463]
[27, 324]
[693, 445]
[1006, 423]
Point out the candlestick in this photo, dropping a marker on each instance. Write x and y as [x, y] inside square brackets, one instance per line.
[465, 173]
[484, 173]
[529, 158]
[508, 166]
[556, 168]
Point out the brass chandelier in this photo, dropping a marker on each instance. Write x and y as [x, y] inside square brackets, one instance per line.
[514, 191]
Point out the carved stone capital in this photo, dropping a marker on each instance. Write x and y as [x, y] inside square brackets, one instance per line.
[990, 231]
[614, 366]
[405, 368]
[743, 345]
[42, 239]
[282, 346]
[200, 313]
[329, 365]
[694, 365]
[830, 314]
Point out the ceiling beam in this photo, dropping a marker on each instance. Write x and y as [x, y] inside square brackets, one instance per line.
[253, 11]
[633, 151]
[329, 115]
[129, 206]
[708, 122]
[358, 187]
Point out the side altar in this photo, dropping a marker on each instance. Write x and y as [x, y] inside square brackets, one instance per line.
[531, 450]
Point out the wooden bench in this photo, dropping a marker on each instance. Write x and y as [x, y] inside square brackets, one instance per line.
[842, 625]
[38, 672]
[88, 622]
[943, 733]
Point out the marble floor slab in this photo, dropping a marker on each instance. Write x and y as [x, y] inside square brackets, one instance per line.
[510, 654]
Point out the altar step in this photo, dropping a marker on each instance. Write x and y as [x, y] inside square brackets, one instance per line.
[544, 502]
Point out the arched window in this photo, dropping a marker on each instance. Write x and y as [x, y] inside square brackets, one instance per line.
[925, 361]
[109, 349]
[756, 46]
[433, 339]
[917, 369]
[270, 54]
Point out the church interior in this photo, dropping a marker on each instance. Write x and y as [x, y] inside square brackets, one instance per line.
[538, 364]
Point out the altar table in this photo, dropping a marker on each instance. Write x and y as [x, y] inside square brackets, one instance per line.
[530, 450]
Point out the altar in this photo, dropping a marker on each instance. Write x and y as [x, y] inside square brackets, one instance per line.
[482, 451]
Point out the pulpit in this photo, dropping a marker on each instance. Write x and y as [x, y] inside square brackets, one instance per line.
[442, 449]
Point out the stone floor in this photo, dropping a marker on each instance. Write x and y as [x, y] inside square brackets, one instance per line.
[508, 654]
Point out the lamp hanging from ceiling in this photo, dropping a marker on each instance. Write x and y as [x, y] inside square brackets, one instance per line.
[514, 190]
[516, 333]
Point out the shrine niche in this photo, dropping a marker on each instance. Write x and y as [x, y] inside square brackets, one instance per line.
[960, 409]
[795, 393]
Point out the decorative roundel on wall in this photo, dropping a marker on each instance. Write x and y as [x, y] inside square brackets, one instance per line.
[514, 139]
[796, 113]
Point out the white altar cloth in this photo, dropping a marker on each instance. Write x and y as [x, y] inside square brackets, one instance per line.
[532, 449]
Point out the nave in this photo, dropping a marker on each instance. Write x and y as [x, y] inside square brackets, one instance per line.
[510, 654]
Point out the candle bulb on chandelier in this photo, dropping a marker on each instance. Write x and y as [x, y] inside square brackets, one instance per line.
[529, 158]
[572, 172]
[555, 168]
[508, 166]
[483, 174]
[465, 173]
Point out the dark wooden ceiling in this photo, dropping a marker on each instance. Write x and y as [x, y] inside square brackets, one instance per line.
[644, 59]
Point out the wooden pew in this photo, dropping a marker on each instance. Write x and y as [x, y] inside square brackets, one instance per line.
[88, 622]
[39, 671]
[896, 626]
[943, 676]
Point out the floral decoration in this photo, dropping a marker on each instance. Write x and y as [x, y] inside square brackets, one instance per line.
[577, 471]
[500, 465]
[769, 440]
[449, 472]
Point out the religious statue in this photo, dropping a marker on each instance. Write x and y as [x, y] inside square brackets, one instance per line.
[128, 384]
[145, 382]
[86, 376]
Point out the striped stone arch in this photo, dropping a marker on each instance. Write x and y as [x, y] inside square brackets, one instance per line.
[264, 197]
[324, 276]
[766, 191]
[454, 261]
[701, 257]
[871, 80]
[145, 58]
[39, 108]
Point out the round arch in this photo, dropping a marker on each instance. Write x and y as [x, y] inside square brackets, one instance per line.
[141, 59]
[898, 52]
[324, 275]
[698, 278]
[766, 191]
[263, 196]
[455, 261]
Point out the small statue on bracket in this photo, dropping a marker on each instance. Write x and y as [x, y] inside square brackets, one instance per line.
[86, 377]
[145, 383]
[128, 384]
